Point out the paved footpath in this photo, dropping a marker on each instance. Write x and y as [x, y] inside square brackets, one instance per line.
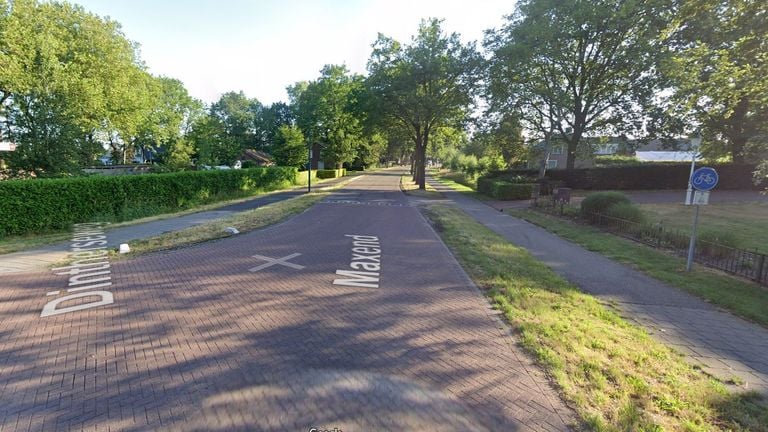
[724, 345]
[259, 332]
[44, 257]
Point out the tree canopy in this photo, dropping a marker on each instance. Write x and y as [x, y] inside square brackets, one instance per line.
[326, 112]
[574, 67]
[72, 86]
[718, 72]
[423, 85]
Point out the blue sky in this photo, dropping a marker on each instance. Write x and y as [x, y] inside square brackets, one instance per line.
[261, 47]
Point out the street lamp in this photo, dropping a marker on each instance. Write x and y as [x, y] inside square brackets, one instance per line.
[695, 143]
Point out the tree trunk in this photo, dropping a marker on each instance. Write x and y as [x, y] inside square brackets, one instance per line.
[573, 145]
[421, 167]
[416, 165]
[737, 149]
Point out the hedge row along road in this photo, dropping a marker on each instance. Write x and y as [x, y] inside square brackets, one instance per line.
[28, 206]
[251, 332]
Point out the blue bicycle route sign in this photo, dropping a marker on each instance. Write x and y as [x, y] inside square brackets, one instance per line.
[704, 179]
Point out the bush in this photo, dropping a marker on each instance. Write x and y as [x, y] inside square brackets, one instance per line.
[616, 160]
[626, 211]
[490, 163]
[504, 190]
[512, 191]
[468, 165]
[599, 202]
[54, 204]
[485, 186]
[331, 173]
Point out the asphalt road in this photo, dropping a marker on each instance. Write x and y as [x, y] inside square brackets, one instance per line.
[259, 332]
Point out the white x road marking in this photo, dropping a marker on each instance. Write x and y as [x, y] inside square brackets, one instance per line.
[272, 261]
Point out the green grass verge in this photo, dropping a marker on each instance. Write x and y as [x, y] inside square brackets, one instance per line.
[409, 187]
[246, 221]
[746, 223]
[741, 297]
[613, 373]
[459, 183]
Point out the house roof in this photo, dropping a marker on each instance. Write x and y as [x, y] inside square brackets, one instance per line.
[664, 156]
[256, 155]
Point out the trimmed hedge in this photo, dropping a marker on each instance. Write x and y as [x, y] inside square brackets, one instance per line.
[53, 204]
[331, 173]
[504, 190]
[642, 177]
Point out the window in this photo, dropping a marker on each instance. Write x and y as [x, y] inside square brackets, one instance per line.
[557, 150]
[551, 163]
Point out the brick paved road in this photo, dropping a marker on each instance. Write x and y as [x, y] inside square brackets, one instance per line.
[194, 341]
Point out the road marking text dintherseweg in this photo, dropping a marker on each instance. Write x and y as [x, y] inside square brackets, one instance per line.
[89, 274]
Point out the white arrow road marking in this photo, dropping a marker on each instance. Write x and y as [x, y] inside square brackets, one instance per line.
[272, 261]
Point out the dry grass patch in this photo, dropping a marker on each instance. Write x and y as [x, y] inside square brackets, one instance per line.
[612, 372]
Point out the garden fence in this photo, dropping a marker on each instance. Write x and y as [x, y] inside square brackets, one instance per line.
[748, 264]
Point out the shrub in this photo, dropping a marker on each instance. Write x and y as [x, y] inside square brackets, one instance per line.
[330, 173]
[54, 204]
[490, 163]
[485, 186]
[616, 160]
[468, 165]
[599, 202]
[504, 190]
[512, 191]
[454, 163]
[626, 211]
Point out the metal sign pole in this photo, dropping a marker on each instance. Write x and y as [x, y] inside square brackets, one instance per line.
[692, 243]
[703, 180]
[309, 167]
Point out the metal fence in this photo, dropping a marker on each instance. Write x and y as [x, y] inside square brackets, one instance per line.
[748, 264]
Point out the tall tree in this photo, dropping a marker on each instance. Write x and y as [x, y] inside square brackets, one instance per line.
[61, 76]
[290, 149]
[237, 113]
[719, 72]
[424, 85]
[172, 112]
[574, 67]
[325, 111]
[268, 123]
[499, 136]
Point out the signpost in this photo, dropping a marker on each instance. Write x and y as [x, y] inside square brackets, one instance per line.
[703, 180]
[6, 146]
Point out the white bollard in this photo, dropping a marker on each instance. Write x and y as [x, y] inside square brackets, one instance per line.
[124, 248]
